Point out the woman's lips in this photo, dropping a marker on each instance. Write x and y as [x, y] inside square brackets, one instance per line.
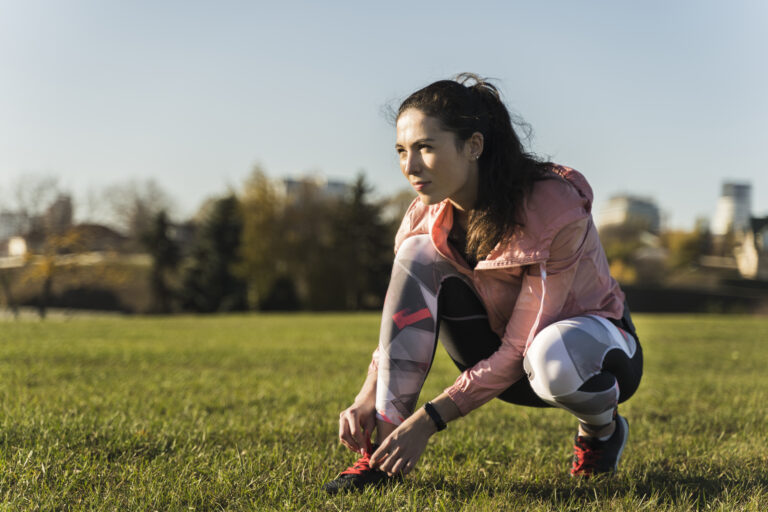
[420, 185]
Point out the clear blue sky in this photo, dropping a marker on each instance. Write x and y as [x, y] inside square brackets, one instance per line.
[658, 98]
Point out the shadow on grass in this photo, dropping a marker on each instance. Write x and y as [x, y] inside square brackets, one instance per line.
[667, 487]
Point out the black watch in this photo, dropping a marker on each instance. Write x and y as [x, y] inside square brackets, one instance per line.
[439, 423]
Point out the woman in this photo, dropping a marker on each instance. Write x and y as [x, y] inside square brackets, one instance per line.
[500, 255]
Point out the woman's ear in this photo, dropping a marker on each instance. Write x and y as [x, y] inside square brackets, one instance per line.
[475, 145]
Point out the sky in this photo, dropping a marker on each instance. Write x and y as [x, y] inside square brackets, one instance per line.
[663, 99]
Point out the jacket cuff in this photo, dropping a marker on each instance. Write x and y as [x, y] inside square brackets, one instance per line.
[460, 398]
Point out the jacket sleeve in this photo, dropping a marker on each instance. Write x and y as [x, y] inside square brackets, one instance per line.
[545, 289]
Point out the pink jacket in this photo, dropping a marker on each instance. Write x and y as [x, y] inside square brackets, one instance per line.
[550, 269]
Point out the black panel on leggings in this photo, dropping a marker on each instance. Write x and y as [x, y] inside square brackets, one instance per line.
[463, 318]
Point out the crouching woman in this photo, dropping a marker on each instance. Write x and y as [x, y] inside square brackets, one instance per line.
[500, 255]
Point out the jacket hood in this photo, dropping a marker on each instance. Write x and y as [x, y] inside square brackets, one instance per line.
[553, 204]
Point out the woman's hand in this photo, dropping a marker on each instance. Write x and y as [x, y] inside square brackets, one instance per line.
[356, 423]
[400, 452]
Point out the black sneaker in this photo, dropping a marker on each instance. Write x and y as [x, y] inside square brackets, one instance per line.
[592, 456]
[358, 476]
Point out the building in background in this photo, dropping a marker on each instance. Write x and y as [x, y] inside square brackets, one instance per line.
[737, 235]
[58, 216]
[327, 189]
[733, 209]
[752, 252]
[17, 246]
[626, 210]
[12, 224]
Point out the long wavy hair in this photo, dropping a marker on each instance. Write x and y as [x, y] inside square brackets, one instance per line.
[507, 172]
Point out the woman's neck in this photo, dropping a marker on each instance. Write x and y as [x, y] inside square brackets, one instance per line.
[464, 199]
[460, 216]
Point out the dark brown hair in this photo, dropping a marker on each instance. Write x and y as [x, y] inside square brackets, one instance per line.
[507, 172]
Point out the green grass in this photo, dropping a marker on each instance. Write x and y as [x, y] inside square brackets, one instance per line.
[241, 412]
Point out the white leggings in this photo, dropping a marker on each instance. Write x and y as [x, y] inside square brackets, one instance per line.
[570, 365]
[585, 365]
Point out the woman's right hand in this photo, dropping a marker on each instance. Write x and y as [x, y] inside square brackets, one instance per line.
[356, 424]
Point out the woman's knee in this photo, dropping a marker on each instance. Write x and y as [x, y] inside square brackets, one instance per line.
[417, 258]
[549, 365]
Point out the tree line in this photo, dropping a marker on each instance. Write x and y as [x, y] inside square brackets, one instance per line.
[262, 247]
[268, 249]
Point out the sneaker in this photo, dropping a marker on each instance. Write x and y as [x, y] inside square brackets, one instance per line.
[592, 456]
[358, 476]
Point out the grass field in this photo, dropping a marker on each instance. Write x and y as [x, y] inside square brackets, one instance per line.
[240, 413]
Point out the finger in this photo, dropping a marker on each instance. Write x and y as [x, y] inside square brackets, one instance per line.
[398, 466]
[390, 461]
[343, 428]
[354, 425]
[346, 443]
[385, 464]
[409, 466]
[356, 434]
[346, 437]
[381, 453]
[363, 440]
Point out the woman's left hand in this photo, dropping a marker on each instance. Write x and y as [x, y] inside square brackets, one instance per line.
[402, 449]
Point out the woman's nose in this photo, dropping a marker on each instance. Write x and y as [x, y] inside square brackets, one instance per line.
[411, 164]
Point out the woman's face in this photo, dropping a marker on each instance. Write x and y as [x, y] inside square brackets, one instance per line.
[432, 163]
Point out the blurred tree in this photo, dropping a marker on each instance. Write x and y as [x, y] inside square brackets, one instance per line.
[621, 243]
[210, 283]
[685, 248]
[308, 251]
[33, 195]
[282, 296]
[395, 206]
[305, 245]
[56, 252]
[261, 261]
[362, 246]
[165, 259]
[45, 214]
[8, 296]
[134, 206]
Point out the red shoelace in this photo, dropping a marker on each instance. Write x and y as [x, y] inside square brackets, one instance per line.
[362, 465]
[585, 457]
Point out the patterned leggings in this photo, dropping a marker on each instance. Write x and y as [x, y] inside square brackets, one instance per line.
[585, 365]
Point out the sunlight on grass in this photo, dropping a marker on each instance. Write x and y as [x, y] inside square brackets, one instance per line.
[240, 413]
